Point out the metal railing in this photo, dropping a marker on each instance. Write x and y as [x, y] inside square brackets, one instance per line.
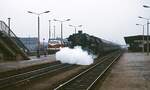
[7, 31]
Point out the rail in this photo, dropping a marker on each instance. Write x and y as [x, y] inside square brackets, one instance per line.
[85, 80]
[12, 81]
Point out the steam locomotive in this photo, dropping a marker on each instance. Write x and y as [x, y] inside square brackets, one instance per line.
[92, 44]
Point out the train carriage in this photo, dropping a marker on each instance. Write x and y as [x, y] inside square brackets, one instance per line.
[54, 46]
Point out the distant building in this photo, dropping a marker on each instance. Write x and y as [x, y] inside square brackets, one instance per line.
[30, 42]
[135, 43]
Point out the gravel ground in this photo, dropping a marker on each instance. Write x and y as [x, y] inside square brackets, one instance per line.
[49, 82]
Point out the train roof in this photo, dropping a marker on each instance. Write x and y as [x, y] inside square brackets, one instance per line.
[104, 41]
[100, 39]
[109, 42]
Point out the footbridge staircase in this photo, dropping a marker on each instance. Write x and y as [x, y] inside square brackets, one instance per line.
[11, 48]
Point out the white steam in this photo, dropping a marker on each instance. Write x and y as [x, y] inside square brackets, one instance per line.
[74, 56]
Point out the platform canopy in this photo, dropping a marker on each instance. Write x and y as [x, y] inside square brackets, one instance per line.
[136, 43]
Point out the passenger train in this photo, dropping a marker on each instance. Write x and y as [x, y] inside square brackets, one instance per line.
[92, 44]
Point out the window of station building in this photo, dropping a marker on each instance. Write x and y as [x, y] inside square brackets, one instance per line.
[138, 41]
[140, 45]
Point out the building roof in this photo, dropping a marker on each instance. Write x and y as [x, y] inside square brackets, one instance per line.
[130, 39]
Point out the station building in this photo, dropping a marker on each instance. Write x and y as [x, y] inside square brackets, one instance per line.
[135, 43]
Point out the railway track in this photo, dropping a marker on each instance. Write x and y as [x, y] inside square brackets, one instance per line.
[86, 79]
[25, 77]
[26, 69]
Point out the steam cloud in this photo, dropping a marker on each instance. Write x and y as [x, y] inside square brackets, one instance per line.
[74, 56]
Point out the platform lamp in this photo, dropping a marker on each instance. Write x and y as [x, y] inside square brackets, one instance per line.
[49, 30]
[143, 36]
[146, 6]
[75, 27]
[61, 21]
[147, 32]
[38, 14]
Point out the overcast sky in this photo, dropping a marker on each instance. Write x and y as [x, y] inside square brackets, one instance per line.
[107, 19]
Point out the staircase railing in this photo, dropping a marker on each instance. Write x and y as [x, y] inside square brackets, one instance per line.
[5, 29]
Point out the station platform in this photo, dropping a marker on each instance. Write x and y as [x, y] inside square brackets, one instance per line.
[13, 65]
[131, 72]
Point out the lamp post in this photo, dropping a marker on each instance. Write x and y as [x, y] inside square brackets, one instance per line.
[143, 36]
[38, 14]
[54, 32]
[75, 27]
[49, 30]
[146, 6]
[147, 32]
[61, 21]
